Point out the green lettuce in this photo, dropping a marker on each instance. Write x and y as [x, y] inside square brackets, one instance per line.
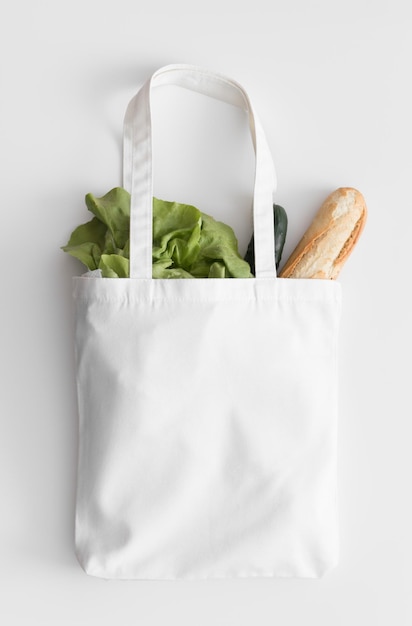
[186, 242]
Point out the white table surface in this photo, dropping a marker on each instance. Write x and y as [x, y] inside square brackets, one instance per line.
[332, 84]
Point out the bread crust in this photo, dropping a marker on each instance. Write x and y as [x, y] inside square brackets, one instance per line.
[331, 237]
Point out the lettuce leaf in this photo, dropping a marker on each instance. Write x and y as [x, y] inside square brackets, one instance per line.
[87, 242]
[113, 209]
[218, 243]
[114, 266]
[186, 242]
[176, 232]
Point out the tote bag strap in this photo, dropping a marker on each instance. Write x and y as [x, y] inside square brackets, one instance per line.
[138, 165]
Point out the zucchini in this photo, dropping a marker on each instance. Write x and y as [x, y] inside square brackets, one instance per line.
[281, 227]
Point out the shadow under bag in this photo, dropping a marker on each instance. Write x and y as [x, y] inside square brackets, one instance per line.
[207, 407]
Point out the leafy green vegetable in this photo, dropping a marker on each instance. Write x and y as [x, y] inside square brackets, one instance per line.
[176, 232]
[186, 242]
[281, 227]
[218, 254]
[113, 209]
[114, 266]
[86, 243]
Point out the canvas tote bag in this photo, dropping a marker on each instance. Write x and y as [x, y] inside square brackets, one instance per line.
[207, 407]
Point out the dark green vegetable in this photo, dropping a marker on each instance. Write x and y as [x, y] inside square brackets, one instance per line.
[281, 227]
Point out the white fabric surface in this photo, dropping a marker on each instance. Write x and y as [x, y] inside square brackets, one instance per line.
[208, 410]
[138, 164]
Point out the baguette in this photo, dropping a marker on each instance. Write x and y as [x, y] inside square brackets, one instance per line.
[329, 240]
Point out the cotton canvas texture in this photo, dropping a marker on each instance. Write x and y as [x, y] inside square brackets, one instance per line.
[207, 407]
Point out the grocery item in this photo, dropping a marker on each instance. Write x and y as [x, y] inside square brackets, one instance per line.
[330, 239]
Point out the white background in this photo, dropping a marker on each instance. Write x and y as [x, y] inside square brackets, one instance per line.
[332, 84]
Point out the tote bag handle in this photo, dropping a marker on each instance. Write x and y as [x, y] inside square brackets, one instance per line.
[138, 165]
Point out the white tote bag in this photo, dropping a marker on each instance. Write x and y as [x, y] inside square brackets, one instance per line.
[207, 407]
